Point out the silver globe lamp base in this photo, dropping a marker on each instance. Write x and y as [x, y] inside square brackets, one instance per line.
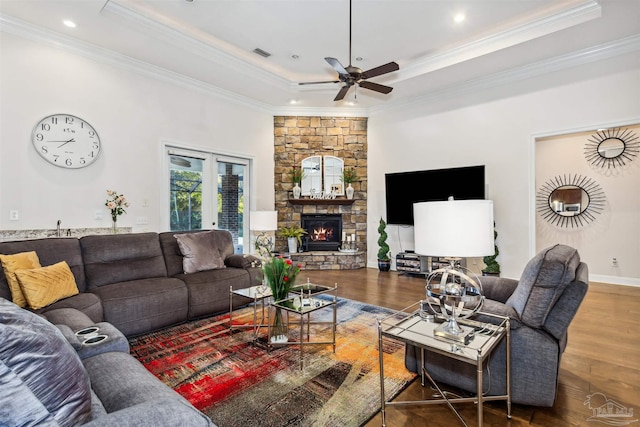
[454, 292]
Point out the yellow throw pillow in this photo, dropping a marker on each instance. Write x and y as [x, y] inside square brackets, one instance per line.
[19, 261]
[46, 285]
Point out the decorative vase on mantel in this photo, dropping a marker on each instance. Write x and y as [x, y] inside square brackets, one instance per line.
[296, 191]
[349, 190]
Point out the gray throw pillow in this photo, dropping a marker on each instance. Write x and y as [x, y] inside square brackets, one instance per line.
[42, 379]
[199, 252]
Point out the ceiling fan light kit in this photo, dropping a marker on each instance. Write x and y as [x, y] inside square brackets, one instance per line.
[351, 75]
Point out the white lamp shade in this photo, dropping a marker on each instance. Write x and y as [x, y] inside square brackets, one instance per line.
[455, 228]
[263, 220]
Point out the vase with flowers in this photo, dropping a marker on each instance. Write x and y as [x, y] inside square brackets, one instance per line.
[349, 175]
[116, 204]
[281, 275]
[296, 174]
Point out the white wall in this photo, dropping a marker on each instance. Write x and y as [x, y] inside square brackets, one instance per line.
[496, 129]
[133, 114]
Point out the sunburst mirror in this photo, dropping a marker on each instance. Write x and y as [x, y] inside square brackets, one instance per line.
[570, 201]
[612, 147]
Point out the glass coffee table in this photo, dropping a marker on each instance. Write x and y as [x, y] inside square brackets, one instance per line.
[409, 327]
[259, 294]
[304, 300]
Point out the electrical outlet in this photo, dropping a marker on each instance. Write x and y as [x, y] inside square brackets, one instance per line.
[97, 215]
[141, 220]
[145, 202]
[614, 262]
[14, 215]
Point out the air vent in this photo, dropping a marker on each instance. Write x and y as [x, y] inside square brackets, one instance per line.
[261, 52]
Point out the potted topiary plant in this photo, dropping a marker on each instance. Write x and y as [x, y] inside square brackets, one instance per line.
[294, 236]
[384, 260]
[492, 267]
[349, 175]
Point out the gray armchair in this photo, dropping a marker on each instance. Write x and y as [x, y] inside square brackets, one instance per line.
[540, 305]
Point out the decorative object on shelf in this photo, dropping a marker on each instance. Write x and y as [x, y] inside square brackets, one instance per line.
[612, 147]
[51, 135]
[568, 200]
[263, 222]
[454, 228]
[116, 204]
[348, 243]
[349, 176]
[281, 275]
[321, 195]
[296, 177]
[491, 265]
[294, 236]
[384, 259]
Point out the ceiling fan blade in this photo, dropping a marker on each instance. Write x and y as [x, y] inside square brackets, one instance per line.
[317, 83]
[336, 66]
[343, 91]
[376, 87]
[378, 71]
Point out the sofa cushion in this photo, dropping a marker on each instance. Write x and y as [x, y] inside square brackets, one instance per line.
[209, 290]
[42, 379]
[173, 256]
[86, 302]
[11, 263]
[121, 257]
[50, 251]
[543, 281]
[140, 306]
[46, 285]
[199, 252]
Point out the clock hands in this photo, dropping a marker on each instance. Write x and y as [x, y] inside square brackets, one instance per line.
[64, 142]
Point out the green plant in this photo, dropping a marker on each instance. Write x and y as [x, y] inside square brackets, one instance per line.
[281, 275]
[292, 231]
[296, 174]
[491, 264]
[383, 252]
[349, 175]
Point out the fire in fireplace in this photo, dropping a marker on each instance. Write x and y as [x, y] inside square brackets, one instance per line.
[324, 231]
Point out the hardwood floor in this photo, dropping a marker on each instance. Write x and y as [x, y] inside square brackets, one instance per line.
[601, 355]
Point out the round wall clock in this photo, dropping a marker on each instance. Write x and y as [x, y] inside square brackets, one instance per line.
[67, 141]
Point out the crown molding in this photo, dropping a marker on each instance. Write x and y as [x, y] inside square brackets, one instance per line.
[30, 32]
[592, 54]
[572, 16]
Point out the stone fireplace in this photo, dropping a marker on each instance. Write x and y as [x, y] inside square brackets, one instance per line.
[324, 231]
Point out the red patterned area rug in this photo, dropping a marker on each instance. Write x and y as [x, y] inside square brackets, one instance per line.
[238, 383]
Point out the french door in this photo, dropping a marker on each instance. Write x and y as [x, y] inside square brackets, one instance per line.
[206, 191]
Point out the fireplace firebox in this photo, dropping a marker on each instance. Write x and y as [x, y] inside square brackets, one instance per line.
[324, 231]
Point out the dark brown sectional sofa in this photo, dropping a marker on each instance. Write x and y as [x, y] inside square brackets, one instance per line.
[136, 281]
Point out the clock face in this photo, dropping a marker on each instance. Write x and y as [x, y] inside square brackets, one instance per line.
[66, 141]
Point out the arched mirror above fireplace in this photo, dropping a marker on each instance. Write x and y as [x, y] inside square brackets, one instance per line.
[322, 174]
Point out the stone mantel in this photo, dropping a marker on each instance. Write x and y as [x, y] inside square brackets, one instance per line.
[321, 201]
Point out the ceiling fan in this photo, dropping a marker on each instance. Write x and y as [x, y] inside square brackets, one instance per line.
[351, 75]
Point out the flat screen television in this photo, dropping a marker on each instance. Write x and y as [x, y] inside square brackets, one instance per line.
[403, 189]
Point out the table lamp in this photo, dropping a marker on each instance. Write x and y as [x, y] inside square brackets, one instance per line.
[263, 222]
[454, 229]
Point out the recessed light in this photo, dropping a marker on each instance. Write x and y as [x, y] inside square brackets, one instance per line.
[359, 58]
[69, 23]
[459, 17]
[294, 56]
[293, 101]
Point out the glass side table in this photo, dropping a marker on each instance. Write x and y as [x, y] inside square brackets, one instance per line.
[303, 301]
[407, 326]
[258, 294]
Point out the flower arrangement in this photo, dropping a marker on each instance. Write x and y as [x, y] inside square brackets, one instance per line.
[116, 203]
[349, 175]
[281, 274]
[296, 174]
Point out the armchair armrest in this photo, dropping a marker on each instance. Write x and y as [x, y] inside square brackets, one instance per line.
[242, 261]
[498, 288]
[500, 309]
